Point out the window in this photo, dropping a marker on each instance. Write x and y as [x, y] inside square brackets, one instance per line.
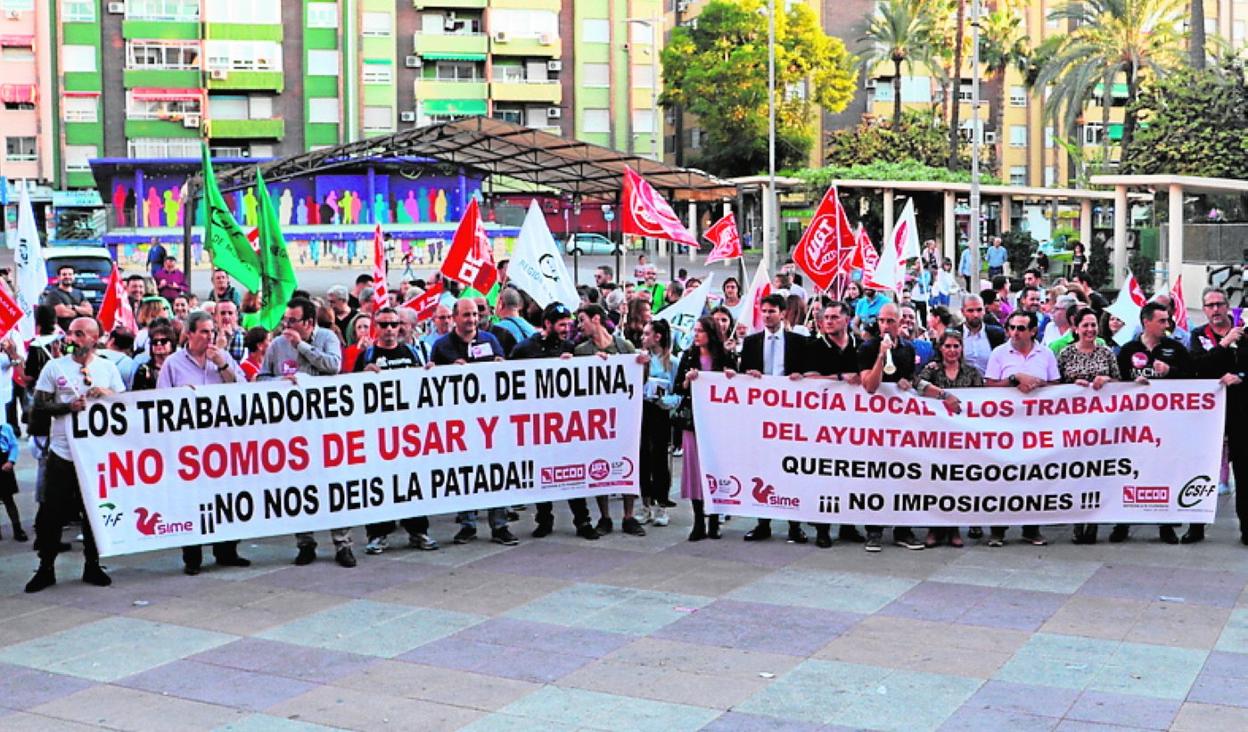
[596, 120]
[1018, 175]
[915, 89]
[643, 76]
[138, 107]
[795, 91]
[514, 116]
[456, 71]
[1018, 135]
[695, 138]
[595, 30]
[1048, 138]
[227, 107]
[324, 111]
[378, 119]
[883, 90]
[377, 74]
[1050, 176]
[161, 147]
[526, 23]
[376, 24]
[19, 149]
[225, 152]
[77, 157]
[511, 72]
[162, 9]
[244, 55]
[17, 53]
[243, 12]
[641, 33]
[596, 75]
[78, 58]
[82, 11]
[81, 109]
[1018, 96]
[966, 91]
[643, 120]
[162, 55]
[1093, 133]
[322, 15]
[19, 106]
[261, 151]
[260, 107]
[322, 63]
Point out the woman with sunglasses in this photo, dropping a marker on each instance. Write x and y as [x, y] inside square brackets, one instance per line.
[162, 342]
[1087, 363]
[949, 370]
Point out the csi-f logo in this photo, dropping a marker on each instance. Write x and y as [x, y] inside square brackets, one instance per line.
[109, 514]
[1196, 491]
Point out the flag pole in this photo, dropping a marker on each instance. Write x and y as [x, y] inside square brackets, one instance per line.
[188, 222]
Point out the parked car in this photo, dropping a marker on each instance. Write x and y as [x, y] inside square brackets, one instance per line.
[585, 243]
[92, 267]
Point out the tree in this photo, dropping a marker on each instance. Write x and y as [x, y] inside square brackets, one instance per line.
[1133, 38]
[1197, 124]
[1003, 44]
[718, 71]
[956, 97]
[920, 138]
[899, 33]
[1196, 44]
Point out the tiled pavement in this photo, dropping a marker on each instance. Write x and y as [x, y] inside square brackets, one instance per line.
[653, 633]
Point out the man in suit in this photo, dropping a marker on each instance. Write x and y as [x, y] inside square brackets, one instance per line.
[978, 336]
[775, 352]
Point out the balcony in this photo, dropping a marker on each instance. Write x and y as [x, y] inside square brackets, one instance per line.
[470, 46]
[161, 78]
[450, 89]
[228, 129]
[241, 80]
[159, 128]
[422, 4]
[503, 43]
[546, 92]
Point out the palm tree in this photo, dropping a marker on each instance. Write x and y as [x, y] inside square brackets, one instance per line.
[898, 32]
[1110, 38]
[1196, 45]
[1003, 44]
[956, 97]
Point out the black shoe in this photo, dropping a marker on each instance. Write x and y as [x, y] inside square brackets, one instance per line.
[585, 531]
[504, 536]
[19, 535]
[667, 504]
[632, 527]
[543, 530]
[758, 533]
[64, 546]
[233, 561]
[93, 574]
[823, 539]
[465, 535]
[975, 532]
[345, 557]
[1119, 534]
[43, 579]
[797, 536]
[699, 531]
[1168, 536]
[873, 542]
[605, 526]
[850, 534]
[306, 555]
[513, 516]
[712, 527]
[190, 569]
[908, 541]
[1194, 535]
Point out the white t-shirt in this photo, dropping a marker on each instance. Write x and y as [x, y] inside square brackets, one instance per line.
[63, 377]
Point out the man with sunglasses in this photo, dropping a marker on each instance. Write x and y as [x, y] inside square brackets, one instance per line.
[303, 347]
[64, 386]
[390, 352]
[1021, 362]
[1217, 354]
[202, 363]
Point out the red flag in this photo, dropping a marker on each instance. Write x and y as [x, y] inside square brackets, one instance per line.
[1180, 307]
[115, 310]
[827, 247]
[866, 258]
[10, 311]
[380, 297]
[723, 234]
[1133, 289]
[645, 213]
[470, 259]
[426, 302]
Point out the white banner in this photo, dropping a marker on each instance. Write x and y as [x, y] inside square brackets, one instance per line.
[168, 468]
[825, 451]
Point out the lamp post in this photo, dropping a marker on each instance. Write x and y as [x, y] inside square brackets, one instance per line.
[976, 227]
[770, 218]
[655, 29]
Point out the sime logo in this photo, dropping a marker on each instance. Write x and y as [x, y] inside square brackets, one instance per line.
[1196, 490]
[563, 474]
[766, 495]
[150, 524]
[1146, 495]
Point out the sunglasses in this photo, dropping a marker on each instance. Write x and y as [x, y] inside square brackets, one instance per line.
[160, 341]
[86, 376]
[1019, 328]
[388, 324]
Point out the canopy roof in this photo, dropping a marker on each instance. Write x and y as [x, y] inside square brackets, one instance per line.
[505, 149]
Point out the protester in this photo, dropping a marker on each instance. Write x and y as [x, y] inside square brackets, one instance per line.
[222, 290]
[343, 313]
[635, 321]
[65, 385]
[706, 354]
[10, 449]
[656, 423]
[504, 336]
[996, 257]
[162, 340]
[136, 290]
[171, 280]
[68, 301]
[256, 344]
[867, 309]
[507, 313]
[732, 294]
[362, 340]
[120, 350]
[442, 323]
[1025, 365]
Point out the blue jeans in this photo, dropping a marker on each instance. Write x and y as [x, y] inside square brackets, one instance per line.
[498, 519]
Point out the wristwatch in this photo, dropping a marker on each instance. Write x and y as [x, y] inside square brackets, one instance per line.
[1013, 380]
[223, 367]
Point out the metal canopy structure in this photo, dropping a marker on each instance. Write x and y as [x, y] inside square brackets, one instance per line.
[500, 148]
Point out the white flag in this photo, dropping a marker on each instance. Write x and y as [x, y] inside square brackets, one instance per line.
[537, 266]
[747, 310]
[1127, 308]
[683, 313]
[906, 233]
[32, 274]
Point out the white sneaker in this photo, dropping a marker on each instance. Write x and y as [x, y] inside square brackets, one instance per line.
[660, 516]
[377, 545]
[643, 515]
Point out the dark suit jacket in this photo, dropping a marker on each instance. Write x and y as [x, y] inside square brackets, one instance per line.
[794, 352]
[996, 334]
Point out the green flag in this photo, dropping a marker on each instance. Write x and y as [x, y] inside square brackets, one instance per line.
[224, 239]
[277, 274]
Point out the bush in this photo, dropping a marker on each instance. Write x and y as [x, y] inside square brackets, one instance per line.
[1098, 262]
[1020, 247]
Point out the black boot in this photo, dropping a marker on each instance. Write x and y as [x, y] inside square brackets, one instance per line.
[1195, 534]
[712, 526]
[44, 577]
[699, 522]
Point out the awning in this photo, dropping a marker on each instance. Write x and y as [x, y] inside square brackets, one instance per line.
[88, 93]
[1115, 132]
[17, 93]
[379, 61]
[166, 95]
[17, 40]
[453, 56]
[453, 106]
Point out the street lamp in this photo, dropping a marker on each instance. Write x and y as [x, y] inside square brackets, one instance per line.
[770, 220]
[976, 227]
[655, 29]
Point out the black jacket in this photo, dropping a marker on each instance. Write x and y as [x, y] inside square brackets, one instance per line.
[795, 348]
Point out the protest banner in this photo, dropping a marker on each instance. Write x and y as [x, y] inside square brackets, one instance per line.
[167, 468]
[824, 451]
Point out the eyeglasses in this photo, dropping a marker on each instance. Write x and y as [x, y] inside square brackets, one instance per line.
[291, 322]
[1217, 304]
[1019, 328]
[388, 324]
[160, 341]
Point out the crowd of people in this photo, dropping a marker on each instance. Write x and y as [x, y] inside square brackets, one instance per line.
[1046, 333]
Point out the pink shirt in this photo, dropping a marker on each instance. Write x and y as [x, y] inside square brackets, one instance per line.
[1006, 362]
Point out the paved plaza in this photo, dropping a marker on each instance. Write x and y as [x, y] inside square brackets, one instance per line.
[627, 633]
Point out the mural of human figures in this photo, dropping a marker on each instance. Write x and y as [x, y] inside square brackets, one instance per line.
[251, 208]
[357, 205]
[285, 207]
[381, 212]
[301, 214]
[441, 205]
[170, 207]
[119, 204]
[314, 210]
[411, 208]
[153, 208]
[332, 202]
[433, 205]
